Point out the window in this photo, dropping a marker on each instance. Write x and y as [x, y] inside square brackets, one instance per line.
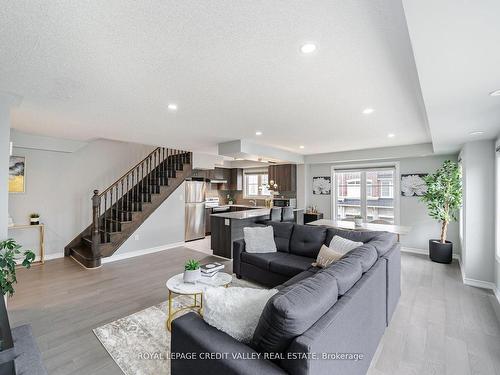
[255, 184]
[366, 192]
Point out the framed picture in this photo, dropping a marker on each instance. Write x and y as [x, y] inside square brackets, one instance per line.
[17, 174]
[322, 185]
[413, 185]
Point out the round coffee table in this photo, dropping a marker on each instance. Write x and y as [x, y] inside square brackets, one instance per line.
[176, 285]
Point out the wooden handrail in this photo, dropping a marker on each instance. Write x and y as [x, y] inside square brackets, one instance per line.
[129, 171]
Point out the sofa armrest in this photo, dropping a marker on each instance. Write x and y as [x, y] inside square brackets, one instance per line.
[238, 248]
[192, 336]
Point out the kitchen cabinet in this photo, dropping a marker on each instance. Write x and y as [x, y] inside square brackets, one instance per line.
[208, 212]
[285, 175]
[236, 179]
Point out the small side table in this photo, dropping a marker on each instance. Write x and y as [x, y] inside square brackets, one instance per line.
[176, 285]
[312, 216]
[41, 228]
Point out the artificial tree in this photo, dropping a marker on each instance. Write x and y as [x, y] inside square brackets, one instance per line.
[10, 256]
[444, 199]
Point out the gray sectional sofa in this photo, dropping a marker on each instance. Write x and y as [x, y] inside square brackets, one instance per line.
[322, 321]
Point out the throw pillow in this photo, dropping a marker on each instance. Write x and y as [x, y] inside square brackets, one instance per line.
[326, 257]
[343, 245]
[259, 240]
[235, 311]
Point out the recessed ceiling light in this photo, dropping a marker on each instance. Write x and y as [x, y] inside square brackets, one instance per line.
[301, 146]
[308, 48]
[258, 133]
[391, 135]
[172, 107]
[495, 93]
[367, 111]
[477, 132]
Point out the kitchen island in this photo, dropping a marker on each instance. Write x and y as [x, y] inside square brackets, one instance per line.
[227, 227]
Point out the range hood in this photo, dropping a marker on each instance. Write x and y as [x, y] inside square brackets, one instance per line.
[249, 150]
[218, 181]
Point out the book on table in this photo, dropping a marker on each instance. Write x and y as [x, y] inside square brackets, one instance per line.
[211, 268]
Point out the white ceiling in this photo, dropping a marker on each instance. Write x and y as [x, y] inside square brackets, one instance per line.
[457, 53]
[109, 68]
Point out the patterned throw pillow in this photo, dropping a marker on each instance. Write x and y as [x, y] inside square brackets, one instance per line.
[326, 257]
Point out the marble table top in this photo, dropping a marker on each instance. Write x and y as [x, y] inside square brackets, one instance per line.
[177, 285]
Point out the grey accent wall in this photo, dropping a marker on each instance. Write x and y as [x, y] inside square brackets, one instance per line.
[478, 165]
[59, 186]
[165, 226]
[412, 211]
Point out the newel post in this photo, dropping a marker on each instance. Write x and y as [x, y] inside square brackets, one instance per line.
[96, 202]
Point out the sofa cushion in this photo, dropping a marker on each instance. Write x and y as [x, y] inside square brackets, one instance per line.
[353, 235]
[289, 264]
[347, 271]
[282, 235]
[293, 310]
[259, 239]
[366, 254]
[260, 260]
[300, 276]
[307, 240]
[383, 242]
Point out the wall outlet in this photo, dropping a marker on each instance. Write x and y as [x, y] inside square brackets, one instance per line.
[136, 237]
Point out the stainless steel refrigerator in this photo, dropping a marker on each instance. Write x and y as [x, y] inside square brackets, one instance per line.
[195, 210]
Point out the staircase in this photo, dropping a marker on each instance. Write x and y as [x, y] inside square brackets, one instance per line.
[120, 209]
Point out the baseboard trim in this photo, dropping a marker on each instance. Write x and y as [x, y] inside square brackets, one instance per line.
[415, 250]
[137, 253]
[480, 284]
[53, 256]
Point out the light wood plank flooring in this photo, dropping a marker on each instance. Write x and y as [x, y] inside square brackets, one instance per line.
[440, 326]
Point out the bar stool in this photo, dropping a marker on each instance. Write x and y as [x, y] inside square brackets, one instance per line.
[287, 215]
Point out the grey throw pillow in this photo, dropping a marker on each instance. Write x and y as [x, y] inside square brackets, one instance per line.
[259, 240]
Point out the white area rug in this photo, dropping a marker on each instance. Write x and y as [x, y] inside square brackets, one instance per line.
[140, 343]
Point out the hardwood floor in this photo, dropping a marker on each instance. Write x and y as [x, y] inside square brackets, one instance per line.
[440, 326]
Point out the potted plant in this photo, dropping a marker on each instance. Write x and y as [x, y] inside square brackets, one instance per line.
[443, 199]
[358, 220]
[34, 219]
[192, 271]
[230, 199]
[10, 255]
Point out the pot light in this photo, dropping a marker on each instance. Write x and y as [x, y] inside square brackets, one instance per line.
[258, 133]
[476, 132]
[391, 135]
[308, 48]
[301, 146]
[495, 93]
[172, 107]
[368, 110]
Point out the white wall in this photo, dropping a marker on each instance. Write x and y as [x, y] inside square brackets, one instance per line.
[164, 227]
[59, 186]
[4, 166]
[412, 211]
[497, 221]
[478, 253]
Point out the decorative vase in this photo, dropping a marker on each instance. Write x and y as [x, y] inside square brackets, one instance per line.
[192, 276]
[230, 202]
[440, 252]
[358, 222]
[34, 220]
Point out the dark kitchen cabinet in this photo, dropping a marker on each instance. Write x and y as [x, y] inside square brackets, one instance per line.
[285, 176]
[236, 179]
[208, 212]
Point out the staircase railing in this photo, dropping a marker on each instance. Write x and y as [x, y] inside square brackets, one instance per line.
[130, 189]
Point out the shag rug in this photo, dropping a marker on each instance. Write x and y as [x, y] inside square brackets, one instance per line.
[140, 343]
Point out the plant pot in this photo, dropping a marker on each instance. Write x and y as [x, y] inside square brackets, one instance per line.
[192, 276]
[34, 220]
[358, 222]
[230, 202]
[440, 252]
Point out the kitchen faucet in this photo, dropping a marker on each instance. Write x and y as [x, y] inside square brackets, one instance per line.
[253, 202]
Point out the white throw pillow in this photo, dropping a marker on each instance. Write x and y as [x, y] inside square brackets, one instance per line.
[326, 256]
[235, 311]
[343, 245]
[259, 240]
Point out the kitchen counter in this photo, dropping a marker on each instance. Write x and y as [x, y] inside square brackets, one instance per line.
[227, 227]
[247, 214]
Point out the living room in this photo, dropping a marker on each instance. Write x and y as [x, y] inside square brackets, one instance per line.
[246, 187]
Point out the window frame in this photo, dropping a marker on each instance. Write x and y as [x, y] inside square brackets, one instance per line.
[258, 172]
[363, 168]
